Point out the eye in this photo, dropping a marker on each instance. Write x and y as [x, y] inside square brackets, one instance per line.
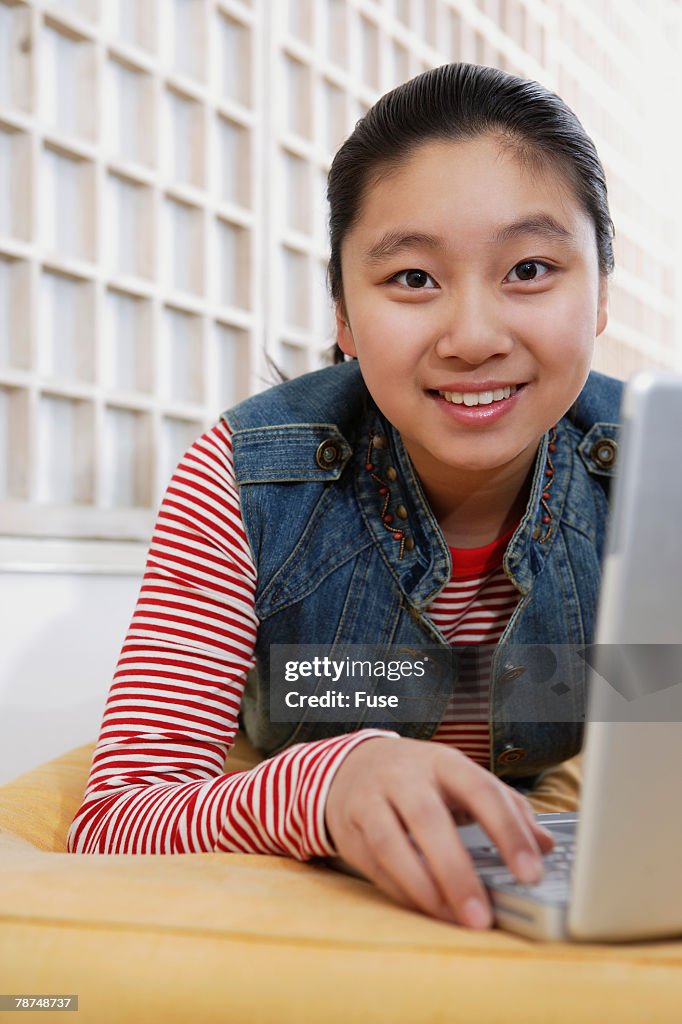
[527, 270]
[414, 279]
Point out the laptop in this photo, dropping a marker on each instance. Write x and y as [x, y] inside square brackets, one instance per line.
[615, 873]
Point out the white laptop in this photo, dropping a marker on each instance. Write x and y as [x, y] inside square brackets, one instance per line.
[616, 871]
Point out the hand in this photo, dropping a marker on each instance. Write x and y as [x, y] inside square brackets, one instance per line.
[392, 812]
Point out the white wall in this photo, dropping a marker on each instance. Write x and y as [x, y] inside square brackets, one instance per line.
[61, 636]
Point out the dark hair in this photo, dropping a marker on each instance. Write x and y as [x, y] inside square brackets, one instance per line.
[462, 101]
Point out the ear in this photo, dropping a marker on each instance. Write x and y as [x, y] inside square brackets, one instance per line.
[344, 335]
[602, 304]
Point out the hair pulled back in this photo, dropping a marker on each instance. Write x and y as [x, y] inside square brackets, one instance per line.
[456, 102]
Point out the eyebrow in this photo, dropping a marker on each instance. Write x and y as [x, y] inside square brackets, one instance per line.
[392, 243]
[541, 225]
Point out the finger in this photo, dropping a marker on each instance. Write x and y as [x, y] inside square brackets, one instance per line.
[398, 863]
[372, 870]
[355, 851]
[432, 828]
[544, 838]
[494, 808]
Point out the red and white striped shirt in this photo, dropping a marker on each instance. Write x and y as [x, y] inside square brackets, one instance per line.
[157, 783]
[472, 611]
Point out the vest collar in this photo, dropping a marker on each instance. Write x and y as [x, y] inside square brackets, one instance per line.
[397, 514]
[414, 547]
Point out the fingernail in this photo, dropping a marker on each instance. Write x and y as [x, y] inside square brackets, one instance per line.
[527, 868]
[477, 913]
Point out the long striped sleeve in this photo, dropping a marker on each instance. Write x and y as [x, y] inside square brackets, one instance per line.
[157, 782]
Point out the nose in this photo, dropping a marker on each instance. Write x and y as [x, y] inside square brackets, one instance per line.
[471, 327]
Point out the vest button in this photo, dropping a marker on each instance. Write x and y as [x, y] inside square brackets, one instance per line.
[328, 454]
[537, 532]
[409, 543]
[379, 441]
[511, 754]
[391, 474]
[511, 674]
[604, 452]
[401, 512]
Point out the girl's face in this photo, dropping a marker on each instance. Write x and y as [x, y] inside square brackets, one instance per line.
[466, 275]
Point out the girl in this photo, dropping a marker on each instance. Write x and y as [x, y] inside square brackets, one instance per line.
[443, 483]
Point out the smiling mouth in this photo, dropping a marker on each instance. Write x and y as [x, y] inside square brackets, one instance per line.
[471, 398]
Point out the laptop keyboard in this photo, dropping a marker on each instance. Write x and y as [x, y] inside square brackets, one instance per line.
[555, 885]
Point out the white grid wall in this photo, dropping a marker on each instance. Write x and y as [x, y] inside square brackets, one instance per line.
[128, 250]
[163, 223]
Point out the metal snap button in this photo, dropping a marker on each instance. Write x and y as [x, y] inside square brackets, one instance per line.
[328, 454]
[401, 512]
[512, 673]
[604, 452]
[409, 543]
[511, 754]
[379, 441]
[391, 473]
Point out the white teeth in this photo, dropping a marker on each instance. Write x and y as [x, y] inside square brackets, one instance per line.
[470, 398]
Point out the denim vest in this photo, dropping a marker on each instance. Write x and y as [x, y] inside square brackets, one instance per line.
[331, 573]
